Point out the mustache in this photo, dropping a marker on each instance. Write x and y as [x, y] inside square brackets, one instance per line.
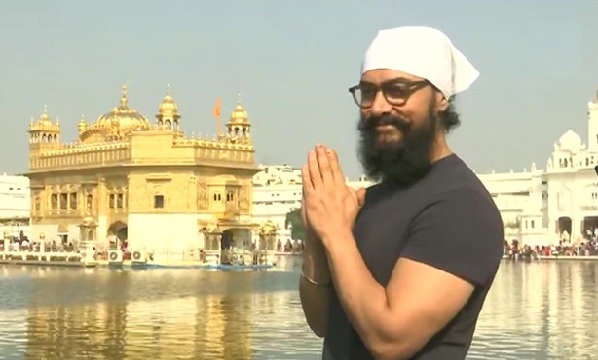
[372, 122]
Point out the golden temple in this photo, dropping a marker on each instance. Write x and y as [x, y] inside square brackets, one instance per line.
[147, 184]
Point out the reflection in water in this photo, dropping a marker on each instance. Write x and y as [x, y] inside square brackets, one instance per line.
[75, 333]
[540, 311]
[534, 311]
[206, 326]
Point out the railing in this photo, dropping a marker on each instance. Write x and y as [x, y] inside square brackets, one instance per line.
[32, 255]
[243, 257]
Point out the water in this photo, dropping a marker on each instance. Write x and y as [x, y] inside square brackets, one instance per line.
[535, 311]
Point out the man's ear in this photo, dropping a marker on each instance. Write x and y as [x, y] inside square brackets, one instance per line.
[441, 101]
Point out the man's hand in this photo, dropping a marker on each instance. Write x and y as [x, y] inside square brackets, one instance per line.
[329, 205]
[309, 231]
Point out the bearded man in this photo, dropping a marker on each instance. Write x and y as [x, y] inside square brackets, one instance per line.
[400, 271]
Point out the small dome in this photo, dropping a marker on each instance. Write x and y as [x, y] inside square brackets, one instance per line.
[168, 105]
[82, 123]
[570, 140]
[88, 220]
[122, 118]
[44, 123]
[44, 118]
[239, 115]
[268, 226]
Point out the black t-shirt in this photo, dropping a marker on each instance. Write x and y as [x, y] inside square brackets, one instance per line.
[449, 221]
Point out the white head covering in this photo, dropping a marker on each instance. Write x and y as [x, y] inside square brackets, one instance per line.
[423, 52]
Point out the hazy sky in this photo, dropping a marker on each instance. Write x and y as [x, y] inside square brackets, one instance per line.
[293, 62]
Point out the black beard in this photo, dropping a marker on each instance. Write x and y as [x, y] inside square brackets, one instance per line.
[400, 162]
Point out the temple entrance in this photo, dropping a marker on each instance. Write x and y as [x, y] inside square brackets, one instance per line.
[227, 240]
[118, 232]
[589, 227]
[564, 227]
[123, 234]
[235, 246]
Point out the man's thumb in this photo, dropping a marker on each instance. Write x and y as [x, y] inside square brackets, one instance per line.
[360, 196]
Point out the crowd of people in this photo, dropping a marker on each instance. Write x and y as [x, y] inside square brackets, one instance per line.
[290, 246]
[514, 250]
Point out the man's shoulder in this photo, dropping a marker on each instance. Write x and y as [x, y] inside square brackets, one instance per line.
[465, 194]
[454, 186]
[465, 201]
[459, 231]
[458, 184]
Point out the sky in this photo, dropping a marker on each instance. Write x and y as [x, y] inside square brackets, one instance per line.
[292, 62]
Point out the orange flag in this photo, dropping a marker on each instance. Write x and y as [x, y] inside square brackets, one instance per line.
[217, 108]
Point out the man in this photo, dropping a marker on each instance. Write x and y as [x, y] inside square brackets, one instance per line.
[402, 271]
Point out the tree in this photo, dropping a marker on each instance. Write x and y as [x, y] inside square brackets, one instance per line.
[294, 220]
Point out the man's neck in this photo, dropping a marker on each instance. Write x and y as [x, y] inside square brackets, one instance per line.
[440, 149]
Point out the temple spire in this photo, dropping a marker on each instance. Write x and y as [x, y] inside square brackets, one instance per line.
[124, 100]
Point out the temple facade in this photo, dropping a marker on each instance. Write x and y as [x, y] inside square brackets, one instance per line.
[126, 179]
[558, 203]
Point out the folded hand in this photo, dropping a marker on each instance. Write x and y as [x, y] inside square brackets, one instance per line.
[329, 205]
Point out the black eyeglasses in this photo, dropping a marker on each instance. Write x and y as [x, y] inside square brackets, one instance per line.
[396, 92]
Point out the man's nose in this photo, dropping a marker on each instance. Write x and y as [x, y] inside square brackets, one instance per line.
[380, 106]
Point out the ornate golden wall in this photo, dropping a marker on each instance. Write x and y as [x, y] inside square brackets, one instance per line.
[122, 165]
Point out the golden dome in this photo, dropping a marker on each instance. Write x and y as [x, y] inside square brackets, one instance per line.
[44, 118]
[122, 118]
[44, 123]
[168, 105]
[268, 227]
[239, 115]
[82, 126]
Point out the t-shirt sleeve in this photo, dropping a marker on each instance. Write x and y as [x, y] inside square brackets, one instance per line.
[461, 233]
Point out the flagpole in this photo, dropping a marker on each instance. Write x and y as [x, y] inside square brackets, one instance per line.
[219, 124]
[218, 115]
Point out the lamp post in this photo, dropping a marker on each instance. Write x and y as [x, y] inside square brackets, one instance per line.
[268, 238]
[213, 244]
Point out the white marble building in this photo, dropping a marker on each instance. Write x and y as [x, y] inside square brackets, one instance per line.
[542, 207]
[276, 191]
[14, 205]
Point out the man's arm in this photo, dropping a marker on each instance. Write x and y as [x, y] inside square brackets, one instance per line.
[454, 245]
[315, 283]
[314, 286]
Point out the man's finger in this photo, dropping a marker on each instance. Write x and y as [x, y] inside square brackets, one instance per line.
[324, 165]
[308, 185]
[335, 167]
[314, 172]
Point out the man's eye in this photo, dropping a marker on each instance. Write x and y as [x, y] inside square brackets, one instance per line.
[368, 91]
[397, 90]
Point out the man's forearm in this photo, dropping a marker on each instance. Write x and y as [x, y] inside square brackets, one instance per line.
[315, 263]
[363, 298]
[314, 286]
